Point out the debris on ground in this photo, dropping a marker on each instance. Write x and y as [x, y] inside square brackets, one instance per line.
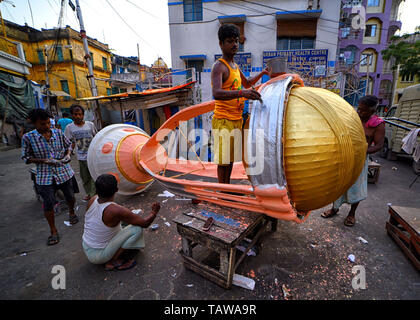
[362, 240]
[154, 227]
[286, 292]
[243, 245]
[352, 258]
[394, 168]
[136, 211]
[67, 223]
[167, 194]
[168, 224]
[190, 285]
[243, 282]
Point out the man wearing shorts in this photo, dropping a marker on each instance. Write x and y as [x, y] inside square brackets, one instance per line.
[50, 151]
[227, 82]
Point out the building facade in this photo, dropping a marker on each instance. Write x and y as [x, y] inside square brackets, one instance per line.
[60, 52]
[406, 80]
[366, 28]
[304, 31]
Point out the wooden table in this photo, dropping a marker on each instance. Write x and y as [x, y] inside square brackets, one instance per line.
[230, 227]
[404, 227]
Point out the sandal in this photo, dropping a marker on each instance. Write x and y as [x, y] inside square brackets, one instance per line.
[131, 265]
[330, 213]
[350, 221]
[73, 219]
[114, 267]
[53, 239]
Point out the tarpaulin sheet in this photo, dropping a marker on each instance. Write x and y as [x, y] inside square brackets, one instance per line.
[20, 98]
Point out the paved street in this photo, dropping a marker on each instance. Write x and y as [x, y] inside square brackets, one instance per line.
[310, 259]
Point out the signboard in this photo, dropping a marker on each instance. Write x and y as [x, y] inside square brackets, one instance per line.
[311, 62]
[243, 60]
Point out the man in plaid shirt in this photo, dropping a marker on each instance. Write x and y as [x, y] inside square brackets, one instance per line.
[49, 149]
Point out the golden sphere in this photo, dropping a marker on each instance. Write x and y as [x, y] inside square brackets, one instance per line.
[324, 147]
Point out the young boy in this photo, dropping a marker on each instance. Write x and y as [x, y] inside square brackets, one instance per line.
[81, 133]
[227, 82]
[104, 241]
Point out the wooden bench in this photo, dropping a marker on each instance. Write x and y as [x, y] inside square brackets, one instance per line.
[404, 227]
[230, 227]
[373, 171]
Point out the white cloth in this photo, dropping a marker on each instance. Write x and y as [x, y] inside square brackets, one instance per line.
[82, 136]
[410, 143]
[96, 234]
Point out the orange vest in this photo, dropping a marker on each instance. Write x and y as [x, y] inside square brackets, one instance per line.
[230, 109]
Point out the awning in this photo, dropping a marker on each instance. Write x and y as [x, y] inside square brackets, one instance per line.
[138, 93]
[232, 18]
[194, 57]
[59, 93]
[300, 14]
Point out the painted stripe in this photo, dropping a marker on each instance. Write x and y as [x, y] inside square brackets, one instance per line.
[181, 2]
[194, 56]
[298, 11]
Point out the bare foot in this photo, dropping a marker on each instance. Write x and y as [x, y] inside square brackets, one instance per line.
[114, 265]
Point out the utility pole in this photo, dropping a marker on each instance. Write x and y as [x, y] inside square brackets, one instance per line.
[47, 78]
[367, 74]
[88, 58]
[138, 61]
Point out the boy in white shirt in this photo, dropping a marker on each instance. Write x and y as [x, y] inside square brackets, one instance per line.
[81, 133]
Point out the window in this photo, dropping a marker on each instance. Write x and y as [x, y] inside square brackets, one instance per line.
[345, 32]
[60, 57]
[91, 57]
[115, 90]
[108, 91]
[407, 78]
[308, 43]
[198, 65]
[364, 58]
[373, 3]
[65, 86]
[348, 54]
[105, 63]
[294, 43]
[370, 30]
[193, 10]
[41, 56]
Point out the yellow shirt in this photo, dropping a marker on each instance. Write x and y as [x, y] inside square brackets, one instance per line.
[230, 109]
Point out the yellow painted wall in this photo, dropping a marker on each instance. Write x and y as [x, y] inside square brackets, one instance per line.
[376, 39]
[378, 9]
[73, 71]
[402, 85]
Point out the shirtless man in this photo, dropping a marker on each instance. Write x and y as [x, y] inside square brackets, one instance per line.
[375, 133]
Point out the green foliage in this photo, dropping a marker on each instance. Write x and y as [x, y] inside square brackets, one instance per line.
[406, 54]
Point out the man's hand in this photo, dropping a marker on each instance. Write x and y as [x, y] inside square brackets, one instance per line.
[155, 208]
[251, 94]
[52, 162]
[66, 159]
